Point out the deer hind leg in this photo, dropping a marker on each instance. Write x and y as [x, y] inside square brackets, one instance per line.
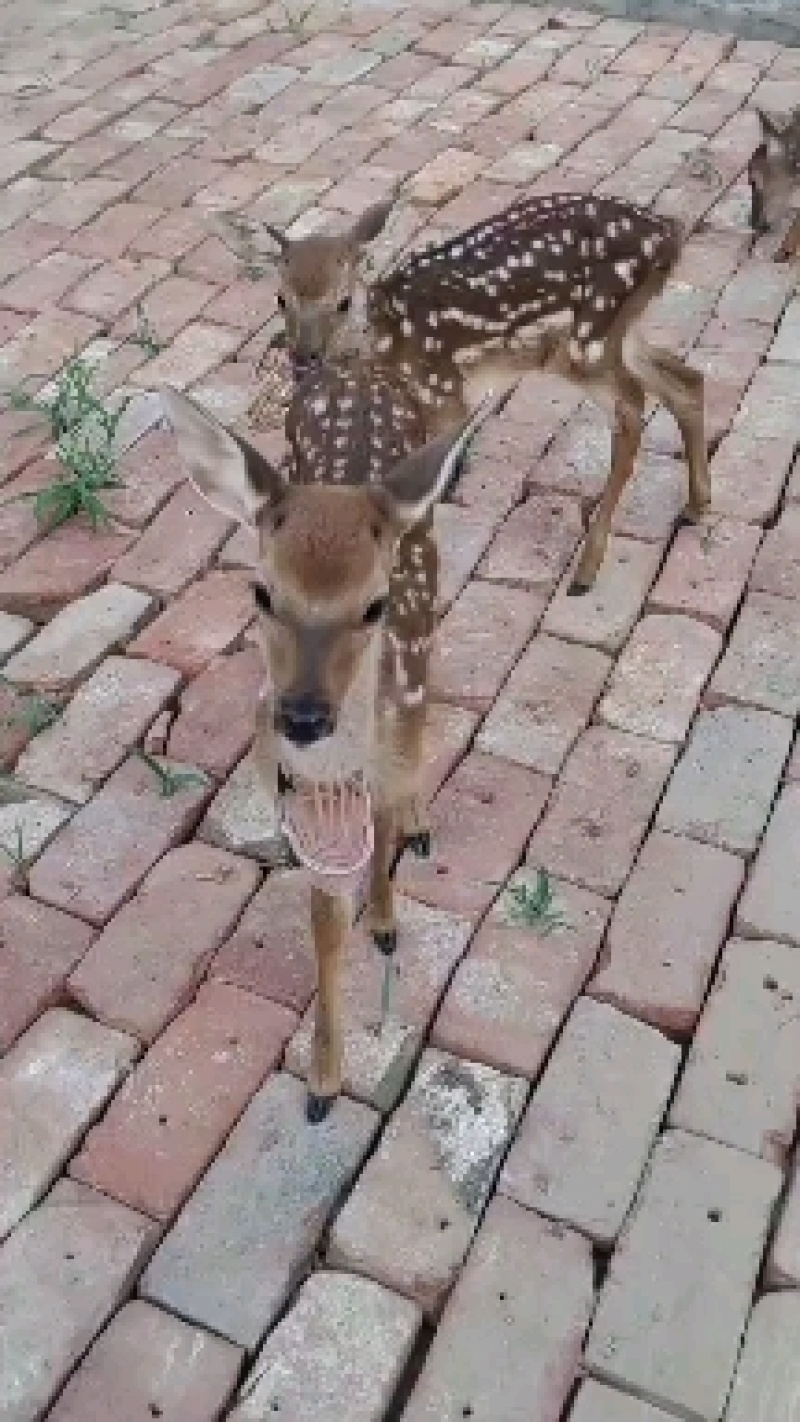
[681, 388]
[331, 920]
[626, 438]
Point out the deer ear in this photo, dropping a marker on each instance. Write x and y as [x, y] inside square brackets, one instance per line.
[371, 222]
[219, 466]
[415, 484]
[772, 129]
[254, 243]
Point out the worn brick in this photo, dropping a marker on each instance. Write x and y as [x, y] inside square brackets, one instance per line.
[448, 733]
[444, 1144]
[53, 1083]
[177, 546]
[786, 346]
[741, 1084]
[243, 817]
[250, 1229]
[725, 782]
[596, 1403]
[479, 641]
[783, 1262]
[535, 543]
[75, 642]
[205, 621]
[577, 1164]
[514, 988]
[667, 930]
[748, 474]
[768, 1372]
[462, 535]
[105, 718]
[481, 820]
[380, 1055]
[601, 808]
[706, 572]
[38, 948]
[271, 951]
[770, 905]
[216, 720]
[657, 682]
[148, 474]
[509, 1343]
[27, 823]
[172, 1115]
[672, 1312]
[149, 1364]
[761, 666]
[44, 284]
[342, 1348]
[98, 859]
[14, 632]
[777, 567]
[604, 616]
[115, 287]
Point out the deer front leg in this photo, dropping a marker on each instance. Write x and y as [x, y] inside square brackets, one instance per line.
[331, 921]
[629, 409]
[381, 912]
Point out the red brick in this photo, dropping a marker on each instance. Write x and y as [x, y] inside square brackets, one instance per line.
[757, 292]
[173, 1114]
[479, 641]
[177, 547]
[171, 305]
[448, 732]
[659, 678]
[19, 526]
[481, 820]
[205, 621]
[601, 808]
[115, 286]
[113, 231]
[783, 1262]
[79, 636]
[523, 1357]
[170, 1370]
[49, 340]
[97, 860]
[38, 949]
[777, 568]
[271, 952]
[70, 562]
[148, 473]
[462, 536]
[104, 720]
[43, 285]
[217, 713]
[761, 666]
[579, 458]
[27, 243]
[16, 724]
[535, 543]
[517, 983]
[706, 571]
[770, 905]
[667, 931]
[145, 966]
[175, 234]
[604, 616]
[197, 349]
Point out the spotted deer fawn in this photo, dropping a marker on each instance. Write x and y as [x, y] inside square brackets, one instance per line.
[553, 283]
[345, 593]
[774, 176]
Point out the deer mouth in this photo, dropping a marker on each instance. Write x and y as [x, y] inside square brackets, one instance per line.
[330, 829]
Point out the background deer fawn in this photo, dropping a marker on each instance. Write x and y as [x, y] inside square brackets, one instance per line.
[555, 283]
[345, 590]
[774, 175]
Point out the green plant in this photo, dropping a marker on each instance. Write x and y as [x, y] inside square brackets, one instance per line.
[533, 905]
[171, 782]
[16, 854]
[145, 336]
[32, 710]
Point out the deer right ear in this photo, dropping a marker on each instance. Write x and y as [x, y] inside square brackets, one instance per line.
[772, 130]
[217, 463]
[371, 223]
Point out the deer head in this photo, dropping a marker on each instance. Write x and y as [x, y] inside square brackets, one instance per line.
[321, 294]
[774, 171]
[326, 552]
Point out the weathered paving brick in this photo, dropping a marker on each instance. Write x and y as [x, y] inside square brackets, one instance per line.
[149, 472]
[480, 821]
[604, 616]
[149, 1364]
[105, 718]
[145, 965]
[770, 905]
[514, 988]
[761, 666]
[545, 704]
[777, 568]
[666, 932]
[767, 1378]
[748, 474]
[509, 1342]
[38, 948]
[724, 784]
[53, 1083]
[75, 642]
[706, 572]
[672, 1312]
[14, 632]
[601, 808]
[70, 562]
[243, 817]
[98, 859]
[576, 1163]
[249, 1231]
[71, 1262]
[217, 713]
[177, 1108]
[783, 1263]
[462, 535]
[411, 1218]
[176, 547]
[535, 543]
[596, 1403]
[27, 823]
[479, 641]
[271, 951]
[340, 1351]
[205, 621]
[379, 1057]
[659, 677]
[741, 1084]
[447, 735]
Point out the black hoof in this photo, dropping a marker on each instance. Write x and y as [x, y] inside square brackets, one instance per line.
[318, 1107]
[687, 519]
[385, 940]
[578, 589]
[420, 844]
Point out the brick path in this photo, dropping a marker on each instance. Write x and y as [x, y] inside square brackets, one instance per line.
[562, 1178]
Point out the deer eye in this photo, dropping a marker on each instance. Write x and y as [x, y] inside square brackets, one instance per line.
[344, 305]
[263, 599]
[375, 611]
[281, 301]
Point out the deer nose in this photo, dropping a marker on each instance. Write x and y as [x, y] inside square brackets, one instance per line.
[304, 720]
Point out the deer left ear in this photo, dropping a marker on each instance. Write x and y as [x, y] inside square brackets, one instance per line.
[412, 488]
[222, 469]
[371, 223]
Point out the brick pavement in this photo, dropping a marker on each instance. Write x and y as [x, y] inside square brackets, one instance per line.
[565, 1171]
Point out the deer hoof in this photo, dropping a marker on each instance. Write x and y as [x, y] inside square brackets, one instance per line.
[318, 1107]
[420, 844]
[578, 588]
[385, 940]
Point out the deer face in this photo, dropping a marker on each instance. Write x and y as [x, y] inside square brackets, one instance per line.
[774, 172]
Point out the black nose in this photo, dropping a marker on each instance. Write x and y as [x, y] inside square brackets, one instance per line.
[304, 720]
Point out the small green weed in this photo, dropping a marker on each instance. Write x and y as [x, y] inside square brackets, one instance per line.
[17, 857]
[533, 905]
[171, 782]
[145, 336]
[32, 710]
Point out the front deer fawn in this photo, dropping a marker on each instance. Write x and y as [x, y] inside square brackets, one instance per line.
[345, 594]
[554, 283]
